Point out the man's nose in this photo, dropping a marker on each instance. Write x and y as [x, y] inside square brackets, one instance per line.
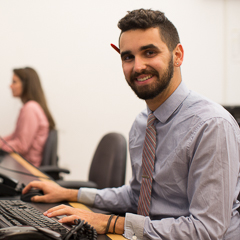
[139, 64]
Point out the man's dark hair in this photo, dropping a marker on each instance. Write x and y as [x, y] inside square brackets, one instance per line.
[144, 19]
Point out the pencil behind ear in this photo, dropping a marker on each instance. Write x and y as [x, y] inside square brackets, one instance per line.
[115, 47]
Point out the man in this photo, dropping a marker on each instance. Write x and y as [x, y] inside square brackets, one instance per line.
[185, 165]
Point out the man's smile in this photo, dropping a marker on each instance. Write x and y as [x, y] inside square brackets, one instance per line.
[144, 78]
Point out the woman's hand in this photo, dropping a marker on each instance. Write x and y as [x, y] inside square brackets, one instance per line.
[52, 192]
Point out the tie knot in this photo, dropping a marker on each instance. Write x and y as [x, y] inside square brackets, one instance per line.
[151, 119]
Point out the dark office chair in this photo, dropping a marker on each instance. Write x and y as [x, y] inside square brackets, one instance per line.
[108, 167]
[49, 163]
[235, 111]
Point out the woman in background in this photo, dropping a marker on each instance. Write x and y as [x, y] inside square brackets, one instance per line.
[34, 120]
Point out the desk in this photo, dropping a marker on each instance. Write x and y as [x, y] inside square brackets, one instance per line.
[15, 162]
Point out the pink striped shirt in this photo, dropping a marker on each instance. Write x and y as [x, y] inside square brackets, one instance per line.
[30, 134]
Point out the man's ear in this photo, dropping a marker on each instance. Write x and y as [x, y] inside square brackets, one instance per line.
[178, 54]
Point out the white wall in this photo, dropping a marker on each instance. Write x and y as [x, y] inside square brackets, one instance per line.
[68, 43]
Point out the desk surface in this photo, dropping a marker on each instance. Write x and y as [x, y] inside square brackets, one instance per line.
[18, 165]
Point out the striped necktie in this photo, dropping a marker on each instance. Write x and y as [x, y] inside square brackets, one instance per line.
[148, 159]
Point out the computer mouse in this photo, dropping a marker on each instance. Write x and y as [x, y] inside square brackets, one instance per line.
[33, 192]
[28, 233]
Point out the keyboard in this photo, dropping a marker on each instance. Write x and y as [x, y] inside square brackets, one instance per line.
[19, 213]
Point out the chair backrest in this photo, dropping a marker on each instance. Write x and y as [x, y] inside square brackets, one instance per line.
[50, 149]
[235, 111]
[108, 167]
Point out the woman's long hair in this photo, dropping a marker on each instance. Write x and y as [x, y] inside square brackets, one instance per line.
[32, 90]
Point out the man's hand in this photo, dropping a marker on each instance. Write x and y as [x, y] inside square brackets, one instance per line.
[97, 220]
[52, 192]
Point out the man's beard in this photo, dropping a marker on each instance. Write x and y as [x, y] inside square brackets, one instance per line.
[152, 90]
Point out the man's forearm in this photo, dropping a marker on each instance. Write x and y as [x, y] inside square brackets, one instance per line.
[119, 225]
[71, 195]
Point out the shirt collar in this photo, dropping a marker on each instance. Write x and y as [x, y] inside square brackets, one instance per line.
[165, 110]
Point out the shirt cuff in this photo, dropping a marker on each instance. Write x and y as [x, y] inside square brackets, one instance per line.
[87, 196]
[134, 225]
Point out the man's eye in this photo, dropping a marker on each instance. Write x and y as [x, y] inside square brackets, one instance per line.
[150, 53]
[127, 58]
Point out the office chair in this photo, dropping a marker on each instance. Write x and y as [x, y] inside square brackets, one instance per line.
[49, 164]
[108, 167]
[235, 111]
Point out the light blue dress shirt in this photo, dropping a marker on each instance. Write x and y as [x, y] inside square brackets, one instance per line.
[196, 178]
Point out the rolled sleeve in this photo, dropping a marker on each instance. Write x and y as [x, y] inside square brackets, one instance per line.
[87, 195]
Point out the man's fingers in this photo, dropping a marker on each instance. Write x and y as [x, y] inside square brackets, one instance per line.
[60, 211]
[56, 208]
[34, 184]
[39, 199]
[69, 219]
